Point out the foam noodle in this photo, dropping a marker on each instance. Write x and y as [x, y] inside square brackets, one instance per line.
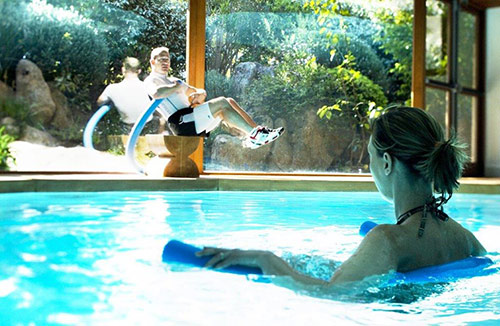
[179, 252]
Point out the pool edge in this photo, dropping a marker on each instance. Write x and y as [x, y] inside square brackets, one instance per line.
[130, 182]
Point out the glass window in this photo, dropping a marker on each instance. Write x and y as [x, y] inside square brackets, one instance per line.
[436, 41]
[436, 103]
[456, 96]
[467, 123]
[318, 71]
[467, 54]
[58, 56]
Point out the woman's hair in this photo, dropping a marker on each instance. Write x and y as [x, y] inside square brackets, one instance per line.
[415, 138]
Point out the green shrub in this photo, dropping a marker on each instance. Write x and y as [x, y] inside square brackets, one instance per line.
[218, 85]
[161, 23]
[301, 84]
[5, 154]
[367, 61]
[66, 48]
[17, 110]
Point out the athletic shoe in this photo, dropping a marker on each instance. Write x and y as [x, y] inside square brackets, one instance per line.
[261, 136]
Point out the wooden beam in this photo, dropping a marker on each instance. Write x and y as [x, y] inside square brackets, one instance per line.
[195, 47]
[483, 4]
[195, 57]
[418, 64]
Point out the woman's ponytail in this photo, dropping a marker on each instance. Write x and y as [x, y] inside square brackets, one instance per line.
[444, 165]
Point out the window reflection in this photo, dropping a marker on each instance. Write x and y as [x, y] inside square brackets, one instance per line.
[318, 71]
[436, 103]
[72, 50]
[467, 124]
[467, 53]
[436, 40]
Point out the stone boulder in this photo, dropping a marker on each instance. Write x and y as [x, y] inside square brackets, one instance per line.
[5, 91]
[62, 115]
[246, 72]
[281, 156]
[35, 136]
[315, 146]
[11, 126]
[31, 86]
[228, 152]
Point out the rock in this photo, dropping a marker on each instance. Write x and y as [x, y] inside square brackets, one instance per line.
[5, 91]
[61, 118]
[246, 72]
[282, 152]
[11, 127]
[35, 136]
[312, 146]
[31, 87]
[227, 151]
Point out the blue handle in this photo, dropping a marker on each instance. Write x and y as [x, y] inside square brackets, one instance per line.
[93, 121]
[136, 132]
[180, 252]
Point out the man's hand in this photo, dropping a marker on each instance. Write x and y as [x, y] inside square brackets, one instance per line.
[197, 97]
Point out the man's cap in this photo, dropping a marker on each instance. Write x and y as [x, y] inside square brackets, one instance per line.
[158, 51]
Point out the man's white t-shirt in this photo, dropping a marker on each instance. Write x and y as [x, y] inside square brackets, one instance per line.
[176, 101]
[202, 116]
[130, 98]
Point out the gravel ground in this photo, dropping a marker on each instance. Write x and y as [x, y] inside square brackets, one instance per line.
[34, 157]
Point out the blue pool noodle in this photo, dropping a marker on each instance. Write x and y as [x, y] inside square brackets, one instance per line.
[179, 252]
[366, 227]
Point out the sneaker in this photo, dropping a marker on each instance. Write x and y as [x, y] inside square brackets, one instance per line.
[261, 136]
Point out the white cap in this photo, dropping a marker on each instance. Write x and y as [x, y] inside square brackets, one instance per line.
[158, 51]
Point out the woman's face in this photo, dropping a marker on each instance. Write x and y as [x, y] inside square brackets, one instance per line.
[377, 169]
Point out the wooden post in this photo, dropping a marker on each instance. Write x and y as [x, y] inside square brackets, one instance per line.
[195, 47]
[418, 65]
[195, 57]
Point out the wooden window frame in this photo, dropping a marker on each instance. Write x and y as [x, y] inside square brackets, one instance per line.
[452, 87]
[195, 50]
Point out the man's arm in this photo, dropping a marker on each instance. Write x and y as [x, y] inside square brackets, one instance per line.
[163, 91]
[104, 97]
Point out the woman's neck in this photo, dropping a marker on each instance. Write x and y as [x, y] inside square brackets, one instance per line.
[409, 192]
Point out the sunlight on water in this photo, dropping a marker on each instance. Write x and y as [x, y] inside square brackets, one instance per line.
[95, 259]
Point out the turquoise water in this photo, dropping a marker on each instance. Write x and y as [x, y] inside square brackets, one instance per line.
[95, 259]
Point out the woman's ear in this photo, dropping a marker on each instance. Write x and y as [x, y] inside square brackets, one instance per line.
[388, 163]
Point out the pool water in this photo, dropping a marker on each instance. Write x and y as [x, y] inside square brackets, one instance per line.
[95, 259]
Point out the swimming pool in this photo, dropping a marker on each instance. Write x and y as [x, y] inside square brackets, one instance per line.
[95, 259]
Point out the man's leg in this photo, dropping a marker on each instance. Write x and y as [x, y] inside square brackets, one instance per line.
[231, 114]
[237, 119]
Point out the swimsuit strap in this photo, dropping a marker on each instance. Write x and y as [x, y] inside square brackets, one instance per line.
[434, 205]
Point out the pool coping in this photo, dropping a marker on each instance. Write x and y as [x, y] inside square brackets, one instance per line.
[54, 182]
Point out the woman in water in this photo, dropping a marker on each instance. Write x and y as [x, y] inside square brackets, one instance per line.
[410, 161]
